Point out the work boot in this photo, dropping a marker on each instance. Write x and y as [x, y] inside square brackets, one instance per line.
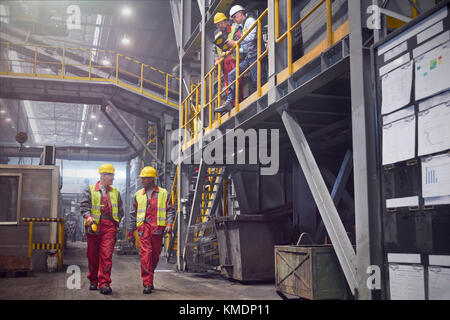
[226, 107]
[147, 290]
[105, 289]
[93, 286]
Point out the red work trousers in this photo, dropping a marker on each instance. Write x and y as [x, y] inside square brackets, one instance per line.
[150, 251]
[100, 249]
[229, 64]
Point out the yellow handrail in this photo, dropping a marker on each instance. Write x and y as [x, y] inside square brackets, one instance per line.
[63, 64]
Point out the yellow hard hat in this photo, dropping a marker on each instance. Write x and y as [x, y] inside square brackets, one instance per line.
[106, 168]
[219, 17]
[148, 172]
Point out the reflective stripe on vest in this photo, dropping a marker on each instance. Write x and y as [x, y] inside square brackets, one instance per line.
[96, 201]
[141, 200]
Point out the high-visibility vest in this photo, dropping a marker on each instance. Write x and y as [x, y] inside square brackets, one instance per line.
[229, 37]
[96, 200]
[141, 198]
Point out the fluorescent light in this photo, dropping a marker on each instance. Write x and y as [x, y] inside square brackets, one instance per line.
[100, 125]
[105, 62]
[125, 40]
[126, 11]
[8, 119]
[95, 139]
[86, 144]
[2, 111]
[93, 116]
[89, 132]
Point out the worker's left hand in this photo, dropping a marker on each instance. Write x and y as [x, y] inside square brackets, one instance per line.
[168, 229]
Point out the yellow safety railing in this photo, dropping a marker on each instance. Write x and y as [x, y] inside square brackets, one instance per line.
[59, 62]
[191, 107]
[46, 246]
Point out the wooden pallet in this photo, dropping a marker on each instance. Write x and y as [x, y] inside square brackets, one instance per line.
[14, 263]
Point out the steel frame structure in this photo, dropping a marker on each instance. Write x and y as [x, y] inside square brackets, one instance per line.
[348, 55]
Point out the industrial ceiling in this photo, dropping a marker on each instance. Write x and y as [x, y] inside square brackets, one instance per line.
[103, 24]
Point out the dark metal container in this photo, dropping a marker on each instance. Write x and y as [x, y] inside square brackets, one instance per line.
[246, 245]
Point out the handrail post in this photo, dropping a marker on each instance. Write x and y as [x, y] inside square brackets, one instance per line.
[258, 80]
[63, 70]
[329, 23]
[236, 86]
[142, 78]
[167, 87]
[7, 55]
[289, 36]
[186, 124]
[277, 19]
[219, 89]
[61, 244]
[35, 60]
[117, 68]
[90, 63]
[30, 239]
[210, 101]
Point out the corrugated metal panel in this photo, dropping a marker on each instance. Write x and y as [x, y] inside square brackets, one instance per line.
[314, 29]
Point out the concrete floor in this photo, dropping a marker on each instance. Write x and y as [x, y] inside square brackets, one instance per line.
[127, 284]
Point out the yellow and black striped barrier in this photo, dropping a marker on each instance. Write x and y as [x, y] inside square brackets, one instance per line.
[42, 219]
[46, 246]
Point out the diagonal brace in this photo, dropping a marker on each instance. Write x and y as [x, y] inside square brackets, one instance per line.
[134, 132]
[333, 224]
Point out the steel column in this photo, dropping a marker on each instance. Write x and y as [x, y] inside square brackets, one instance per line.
[366, 184]
[181, 174]
[341, 243]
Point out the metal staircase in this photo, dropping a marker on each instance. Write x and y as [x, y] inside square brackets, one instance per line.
[201, 248]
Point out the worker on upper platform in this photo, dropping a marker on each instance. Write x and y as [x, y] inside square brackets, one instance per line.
[226, 31]
[152, 216]
[102, 209]
[248, 49]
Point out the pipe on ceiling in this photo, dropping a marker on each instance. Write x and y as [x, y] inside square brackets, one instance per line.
[84, 153]
[76, 153]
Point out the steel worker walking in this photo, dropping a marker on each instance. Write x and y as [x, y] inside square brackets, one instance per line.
[102, 210]
[152, 216]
